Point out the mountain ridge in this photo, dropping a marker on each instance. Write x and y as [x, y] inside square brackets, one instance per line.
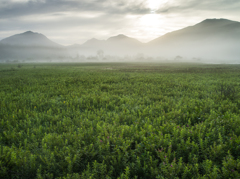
[29, 38]
[205, 23]
[210, 38]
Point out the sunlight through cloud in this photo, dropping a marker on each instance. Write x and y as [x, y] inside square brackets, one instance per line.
[154, 5]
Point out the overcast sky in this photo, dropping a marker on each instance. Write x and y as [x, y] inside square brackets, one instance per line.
[76, 21]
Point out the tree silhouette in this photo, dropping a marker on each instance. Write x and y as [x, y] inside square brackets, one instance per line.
[100, 54]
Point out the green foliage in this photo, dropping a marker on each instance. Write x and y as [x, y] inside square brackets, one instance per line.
[228, 91]
[81, 121]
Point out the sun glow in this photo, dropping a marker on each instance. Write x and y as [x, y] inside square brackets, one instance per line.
[150, 19]
[155, 4]
[151, 25]
[153, 20]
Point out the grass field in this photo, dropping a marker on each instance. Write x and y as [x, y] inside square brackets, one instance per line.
[118, 120]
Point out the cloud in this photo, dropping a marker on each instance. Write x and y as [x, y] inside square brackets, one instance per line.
[85, 19]
[67, 27]
[10, 9]
[179, 6]
[19, 8]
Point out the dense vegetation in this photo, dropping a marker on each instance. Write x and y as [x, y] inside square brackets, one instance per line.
[119, 121]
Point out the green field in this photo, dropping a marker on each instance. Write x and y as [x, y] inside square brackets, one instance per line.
[119, 120]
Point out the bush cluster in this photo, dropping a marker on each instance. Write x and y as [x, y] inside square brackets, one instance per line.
[85, 122]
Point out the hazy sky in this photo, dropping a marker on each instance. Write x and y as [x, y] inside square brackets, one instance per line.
[75, 21]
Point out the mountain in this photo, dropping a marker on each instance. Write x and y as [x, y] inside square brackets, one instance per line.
[116, 45]
[124, 40]
[32, 46]
[123, 45]
[209, 28]
[93, 43]
[211, 38]
[29, 38]
[90, 47]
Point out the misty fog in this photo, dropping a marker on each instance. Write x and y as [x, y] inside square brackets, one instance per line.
[210, 41]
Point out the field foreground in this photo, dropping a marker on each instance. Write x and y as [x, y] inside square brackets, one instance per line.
[119, 121]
